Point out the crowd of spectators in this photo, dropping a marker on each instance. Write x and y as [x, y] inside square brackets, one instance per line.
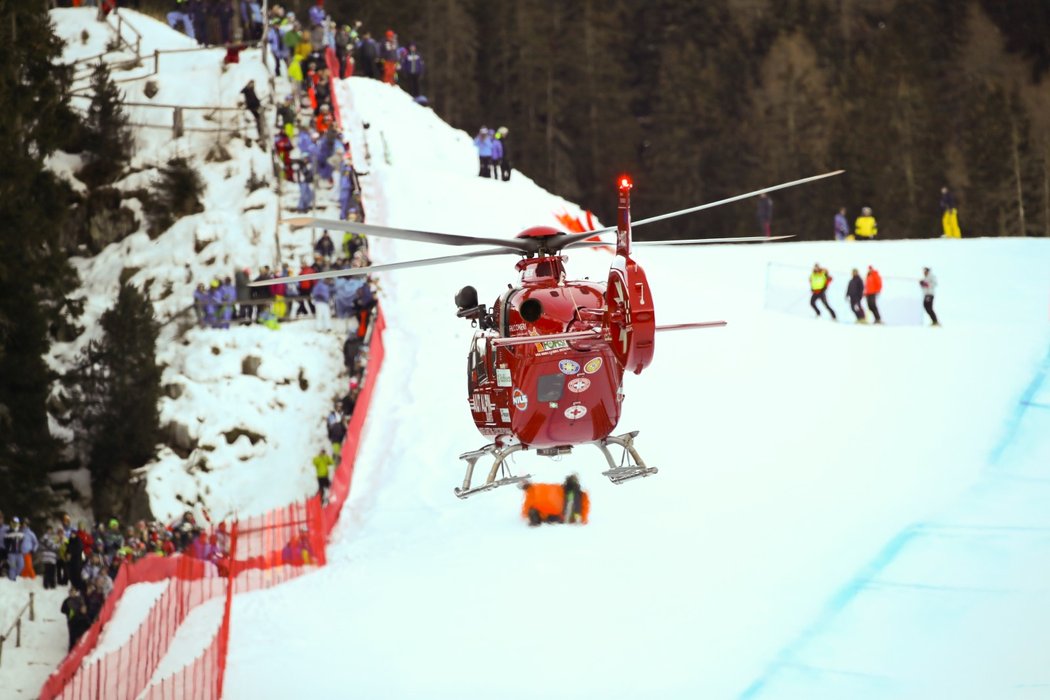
[88, 558]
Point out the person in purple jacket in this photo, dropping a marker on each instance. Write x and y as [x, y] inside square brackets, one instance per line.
[321, 294]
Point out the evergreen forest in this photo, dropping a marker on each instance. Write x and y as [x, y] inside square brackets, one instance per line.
[704, 99]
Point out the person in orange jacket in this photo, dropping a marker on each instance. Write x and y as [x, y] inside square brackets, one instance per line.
[555, 503]
[872, 287]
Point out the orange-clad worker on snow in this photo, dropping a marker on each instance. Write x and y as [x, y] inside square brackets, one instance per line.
[872, 287]
[555, 503]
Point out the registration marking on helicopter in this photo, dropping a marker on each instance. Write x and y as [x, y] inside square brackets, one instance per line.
[575, 412]
[578, 385]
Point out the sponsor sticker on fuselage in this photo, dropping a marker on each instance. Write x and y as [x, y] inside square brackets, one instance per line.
[575, 412]
[593, 365]
[578, 385]
[569, 367]
[521, 401]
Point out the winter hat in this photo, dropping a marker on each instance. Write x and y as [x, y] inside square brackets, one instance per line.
[389, 33]
[15, 520]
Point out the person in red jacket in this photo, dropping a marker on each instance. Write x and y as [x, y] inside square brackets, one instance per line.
[872, 287]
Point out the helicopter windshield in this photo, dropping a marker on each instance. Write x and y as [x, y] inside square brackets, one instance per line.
[549, 387]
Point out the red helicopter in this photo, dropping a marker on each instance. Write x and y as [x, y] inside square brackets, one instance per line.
[546, 365]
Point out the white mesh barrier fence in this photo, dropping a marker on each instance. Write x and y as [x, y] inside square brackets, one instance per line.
[787, 291]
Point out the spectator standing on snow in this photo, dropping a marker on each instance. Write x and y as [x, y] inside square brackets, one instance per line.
[181, 15]
[366, 56]
[325, 247]
[949, 215]
[819, 280]
[929, 288]
[321, 295]
[483, 142]
[872, 287]
[855, 293]
[348, 185]
[501, 136]
[13, 544]
[389, 55]
[305, 289]
[411, 71]
[241, 278]
[841, 225]
[865, 227]
[305, 176]
[49, 546]
[764, 213]
[497, 158]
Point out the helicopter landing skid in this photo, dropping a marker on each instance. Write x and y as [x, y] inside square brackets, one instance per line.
[631, 466]
[491, 482]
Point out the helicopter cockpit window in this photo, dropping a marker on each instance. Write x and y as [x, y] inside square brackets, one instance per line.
[477, 359]
[549, 387]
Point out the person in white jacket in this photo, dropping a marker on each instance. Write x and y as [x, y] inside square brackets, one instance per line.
[929, 288]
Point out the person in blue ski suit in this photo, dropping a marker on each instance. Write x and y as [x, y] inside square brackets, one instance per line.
[305, 177]
[323, 151]
[345, 294]
[227, 298]
[181, 15]
[201, 297]
[483, 142]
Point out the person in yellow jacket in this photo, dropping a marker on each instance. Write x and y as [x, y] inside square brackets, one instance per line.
[323, 465]
[865, 227]
[819, 280]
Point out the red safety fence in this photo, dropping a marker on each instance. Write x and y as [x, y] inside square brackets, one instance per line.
[332, 63]
[257, 552]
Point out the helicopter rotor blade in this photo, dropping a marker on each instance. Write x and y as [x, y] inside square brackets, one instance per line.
[687, 241]
[573, 240]
[361, 271]
[407, 234]
[691, 326]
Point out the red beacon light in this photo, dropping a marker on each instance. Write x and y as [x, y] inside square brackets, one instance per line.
[625, 182]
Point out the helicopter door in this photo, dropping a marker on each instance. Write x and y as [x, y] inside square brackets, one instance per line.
[477, 363]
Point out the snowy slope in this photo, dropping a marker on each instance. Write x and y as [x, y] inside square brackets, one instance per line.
[790, 451]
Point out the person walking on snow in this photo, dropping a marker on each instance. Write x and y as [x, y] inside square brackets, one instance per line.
[855, 293]
[949, 215]
[872, 287]
[501, 136]
[765, 215]
[841, 225]
[411, 71]
[483, 142]
[322, 466]
[819, 280]
[929, 288]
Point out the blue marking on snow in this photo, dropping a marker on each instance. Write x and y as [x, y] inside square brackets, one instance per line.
[867, 575]
[1027, 401]
[834, 606]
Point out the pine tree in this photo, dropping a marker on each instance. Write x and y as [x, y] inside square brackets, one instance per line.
[36, 276]
[176, 192]
[112, 396]
[107, 140]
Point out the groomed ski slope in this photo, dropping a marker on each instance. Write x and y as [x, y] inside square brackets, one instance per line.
[790, 450]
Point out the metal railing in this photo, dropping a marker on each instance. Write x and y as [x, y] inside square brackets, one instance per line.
[17, 626]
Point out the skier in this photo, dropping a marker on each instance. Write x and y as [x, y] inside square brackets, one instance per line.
[949, 215]
[872, 287]
[819, 280]
[865, 227]
[929, 288]
[497, 158]
[855, 293]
